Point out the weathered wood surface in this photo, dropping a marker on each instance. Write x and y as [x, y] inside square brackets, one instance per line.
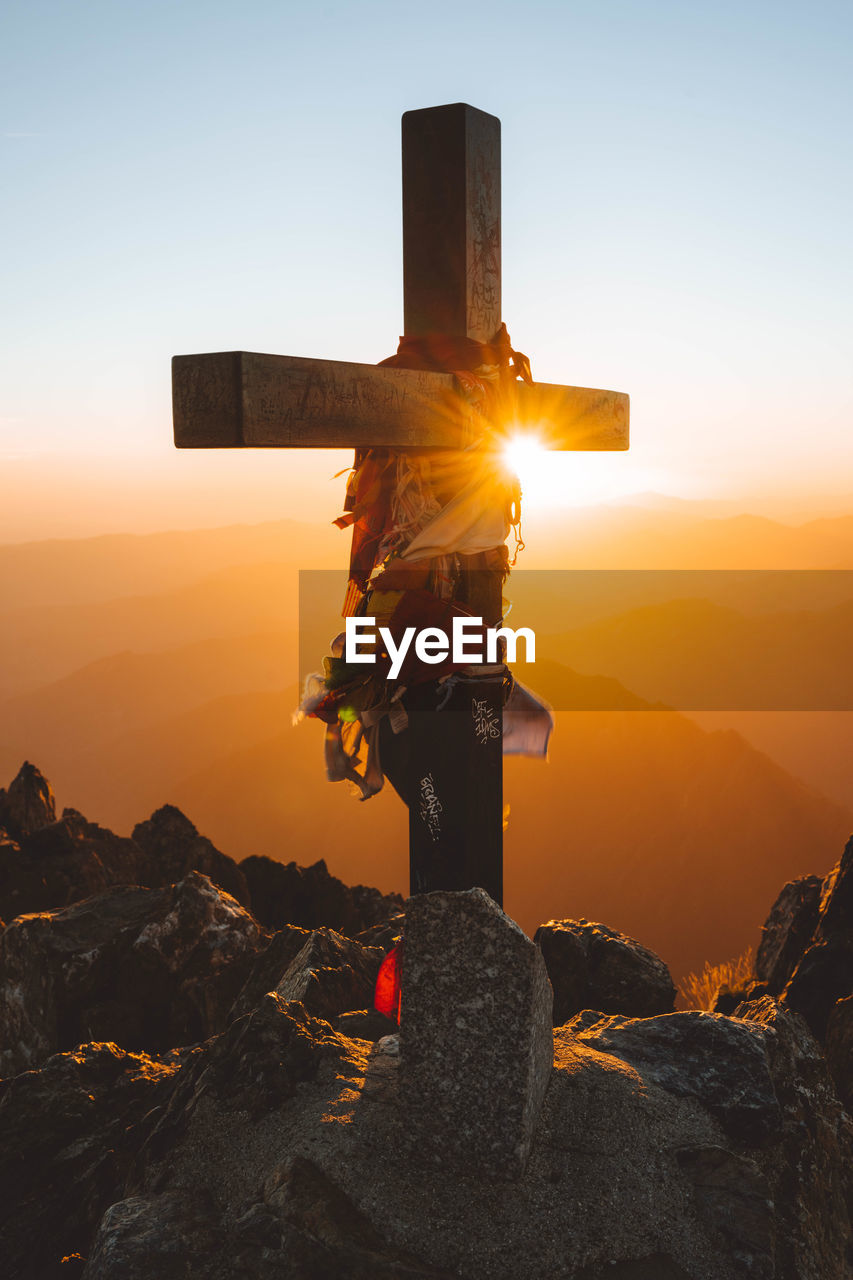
[582, 419]
[237, 399]
[452, 222]
[241, 398]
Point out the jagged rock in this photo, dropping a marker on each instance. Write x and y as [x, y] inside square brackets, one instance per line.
[806, 950]
[823, 976]
[253, 1068]
[787, 932]
[593, 967]
[331, 974]
[475, 1033]
[839, 1049]
[721, 1062]
[46, 864]
[327, 973]
[269, 967]
[310, 897]
[149, 968]
[385, 934]
[809, 1165]
[824, 973]
[174, 848]
[50, 863]
[65, 862]
[29, 803]
[365, 1024]
[67, 1140]
[836, 902]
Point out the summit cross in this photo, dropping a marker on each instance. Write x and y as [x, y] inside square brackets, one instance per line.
[451, 287]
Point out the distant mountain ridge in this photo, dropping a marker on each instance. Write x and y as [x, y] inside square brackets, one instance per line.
[163, 668]
[696, 654]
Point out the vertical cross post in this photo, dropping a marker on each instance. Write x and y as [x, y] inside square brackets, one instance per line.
[452, 222]
[452, 287]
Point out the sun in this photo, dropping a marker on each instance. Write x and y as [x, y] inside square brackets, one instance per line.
[524, 454]
[554, 478]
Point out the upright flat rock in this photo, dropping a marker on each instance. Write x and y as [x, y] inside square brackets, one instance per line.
[476, 1035]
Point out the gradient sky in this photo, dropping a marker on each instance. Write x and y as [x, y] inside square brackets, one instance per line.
[205, 176]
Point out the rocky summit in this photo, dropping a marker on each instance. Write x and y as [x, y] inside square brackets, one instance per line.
[195, 1084]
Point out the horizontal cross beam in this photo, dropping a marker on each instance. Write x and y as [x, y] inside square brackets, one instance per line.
[241, 399]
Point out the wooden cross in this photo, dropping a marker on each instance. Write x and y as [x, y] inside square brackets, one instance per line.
[452, 286]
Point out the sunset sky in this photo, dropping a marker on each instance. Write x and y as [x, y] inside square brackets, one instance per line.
[204, 176]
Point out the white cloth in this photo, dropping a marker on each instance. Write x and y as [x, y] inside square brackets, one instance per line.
[528, 722]
[475, 520]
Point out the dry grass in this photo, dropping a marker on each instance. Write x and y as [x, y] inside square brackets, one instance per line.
[699, 990]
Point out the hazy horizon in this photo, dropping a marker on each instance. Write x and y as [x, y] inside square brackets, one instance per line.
[74, 496]
[142, 670]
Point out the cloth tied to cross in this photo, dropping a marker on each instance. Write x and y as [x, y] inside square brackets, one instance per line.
[417, 517]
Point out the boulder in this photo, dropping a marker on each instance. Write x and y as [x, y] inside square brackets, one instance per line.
[787, 932]
[810, 1165]
[331, 974]
[174, 848]
[29, 803]
[284, 893]
[68, 1137]
[149, 968]
[839, 1049]
[593, 967]
[475, 1033]
[719, 1062]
